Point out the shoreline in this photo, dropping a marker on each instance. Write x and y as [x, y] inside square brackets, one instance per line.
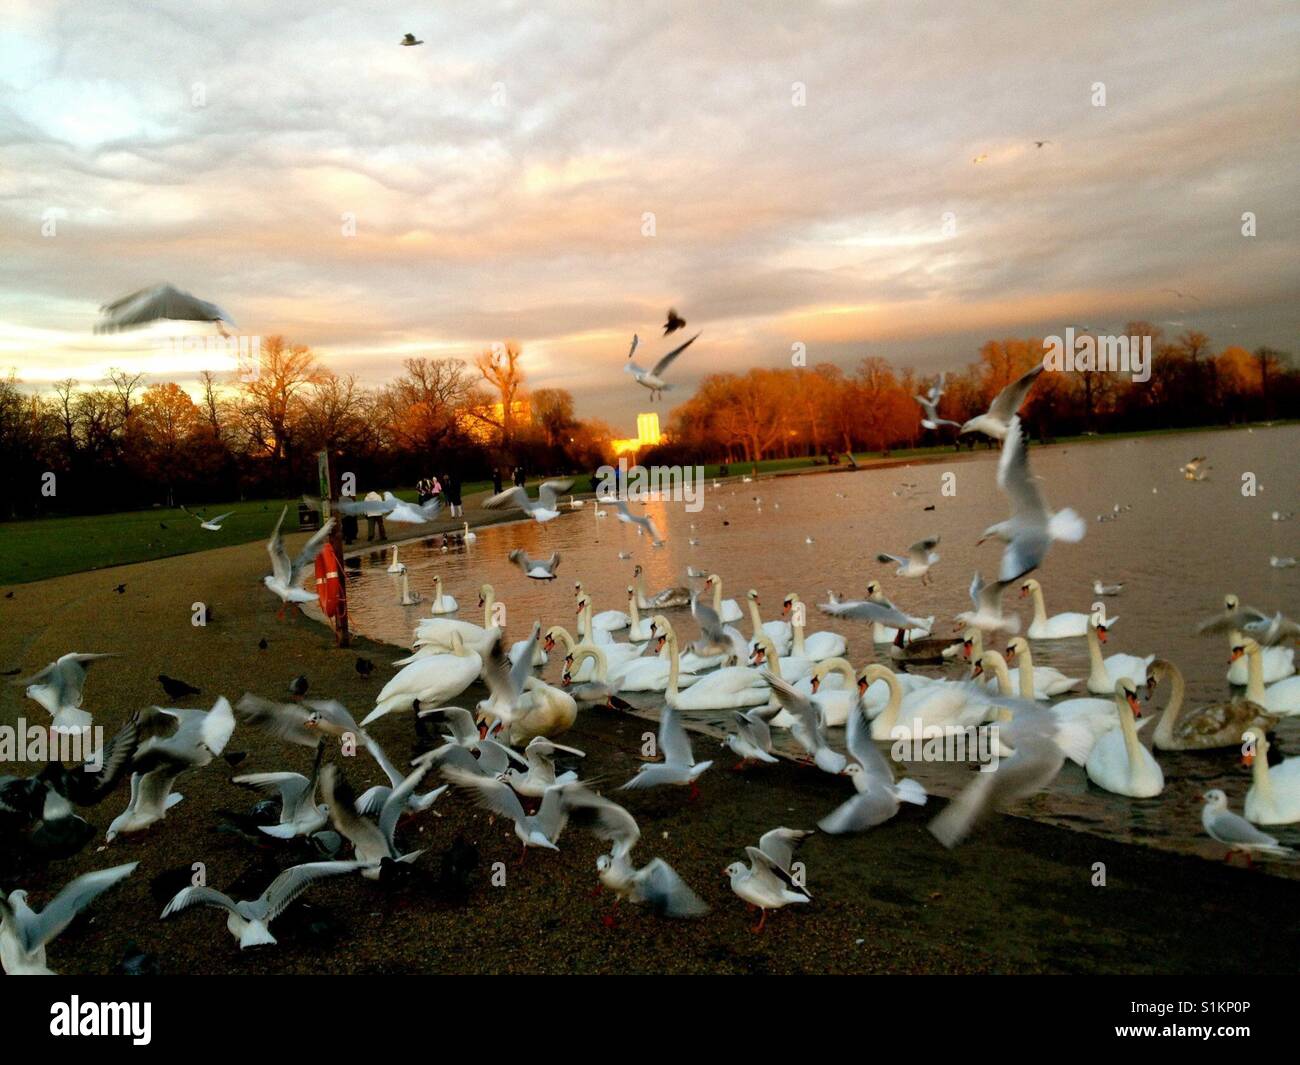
[1019, 896]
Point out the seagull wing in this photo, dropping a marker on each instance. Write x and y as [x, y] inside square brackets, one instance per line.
[667, 893]
[281, 567]
[667, 360]
[294, 881]
[781, 843]
[548, 492]
[490, 794]
[75, 897]
[511, 497]
[311, 549]
[1008, 402]
[673, 741]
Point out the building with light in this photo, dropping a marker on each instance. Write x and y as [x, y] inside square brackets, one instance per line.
[647, 435]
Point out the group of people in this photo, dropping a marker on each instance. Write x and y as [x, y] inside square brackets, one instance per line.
[448, 486]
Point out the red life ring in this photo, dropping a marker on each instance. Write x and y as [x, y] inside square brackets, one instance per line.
[329, 581]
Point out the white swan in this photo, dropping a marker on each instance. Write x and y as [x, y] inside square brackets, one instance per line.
[725, 689]
[409, 598]
[661, 600]
[818, 645]
[1047, 681]
[395, 566]
[616, 654]
[638, 629]
[1274, 795]
[1118, 762]
[442, 604]
[779, 632]
[1103, 673]
[835, 704]
[908, 716]
[435, 679]
[1275, 662]
[1283, 697]
[433, 635]
[608, 621]
[1097, 716]
[726, 609]
[788, 668]
[1058, 626]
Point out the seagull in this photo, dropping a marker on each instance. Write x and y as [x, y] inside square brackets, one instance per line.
[358, 508]
[373, 844]
[920, 557]
[404, 513]
[284, 576]
[1272, 631]
[1039, 144]
[1106, 589]
[1040, 745]
[211, 524]
[408, 40]
[807, 729]
[678, 766]
[768, 882]
[304, 724]
[24, 933]
[200, 736]
[300, 815]
[59, 688]
[883, 612]
[980, 158]
[1235, 831]
[249, 922]
[987, 615]
[545, 509]
[1236, 616]
[160, 302]
[540, 775]
[752, 739]
[1181, 295]
[642, 523]
[1282, 563]
[996, 421]
[542, 829]
[1032, 527]
[653, 378]
[930, 404]
[373, 799]
[535, 568]
[91, 782]
[878, 798]
[675, 321]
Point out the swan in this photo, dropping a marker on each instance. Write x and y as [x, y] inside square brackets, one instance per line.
[1058, 626]
[1275, 662]
[1103, 673]
[779, 632]
[819, 645]
[1047, 681]
[1118, 762]
[467, 536]
[395, 566]
[544, 710]
[435, 679]
[442, 604]
[925, 707]
[662, 600]
[1274, 795]
[1097, 716]
[409, 598]
[725, 689]
[638, 629]
[835, 704]
[726, 609]
[788, 668]
[1220, 725]
[616, 654]
[882, 633]
[434, 634]
[1281, 698]
[607, 620]
[643, 674]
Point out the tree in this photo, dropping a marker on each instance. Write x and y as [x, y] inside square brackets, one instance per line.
[420, 409]
[499, 368]
[273, 400]
[125, 383]
[552, 410]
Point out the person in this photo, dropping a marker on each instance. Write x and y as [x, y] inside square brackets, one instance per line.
[376, 523]
[496, 480]
[423, 490]
[349, 521]
[451, 485]
[520, 479]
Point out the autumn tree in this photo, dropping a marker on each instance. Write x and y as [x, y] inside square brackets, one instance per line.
[500, 369]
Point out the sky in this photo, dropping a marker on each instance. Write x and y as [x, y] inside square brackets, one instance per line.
[809, 168]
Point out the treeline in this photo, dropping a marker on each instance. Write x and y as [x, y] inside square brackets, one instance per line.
[781, 413]
[130, 444]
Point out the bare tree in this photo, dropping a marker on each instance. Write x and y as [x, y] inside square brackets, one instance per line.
[499, 367]
[125, 383]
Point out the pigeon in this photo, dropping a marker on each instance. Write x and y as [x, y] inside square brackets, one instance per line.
[653, 378]
[877, 797]
[249, 922]
[24, 933]
[996, 421]
[284, 576]
[120, 589]
[162, 302]
[768, 882]
[365, 667]
[176, 689]
[535, 568]
[675, 321]
[547, 506]
[298, 686]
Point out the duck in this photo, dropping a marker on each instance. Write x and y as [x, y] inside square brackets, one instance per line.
[442, 604]
[662, 600]
[1222, 724]
[1058, 626]
[1103, 673]
[818, 645]
[1282, 697]
[779, 632]
[1274, 795]
[1047, 682]
[726, 609]
[882, 633]
[728, 688]
[1097, 716]
[1118, 762]
[435, 679]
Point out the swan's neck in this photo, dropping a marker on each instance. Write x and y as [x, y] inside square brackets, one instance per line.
[770, 657]
[1040, 607]
[1000, 671]
[1259, 776]
[1255, 675]
[489, 601]
[1132, 745]
[633, 612]
[562, 634]
[889, 715]
[717, 597]
[670, 645]
[596, 654]
[755, 619]
[1164, 733]
[844, 668]
[1096, 667]
[797, 648]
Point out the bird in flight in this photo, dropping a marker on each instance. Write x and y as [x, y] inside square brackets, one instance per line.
[653, 378]
[980, 158]
[675, 321]
[408, 40]
[1181, 295]
[1039, 144]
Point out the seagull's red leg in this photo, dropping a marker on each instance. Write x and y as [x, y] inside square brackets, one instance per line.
[761, 922]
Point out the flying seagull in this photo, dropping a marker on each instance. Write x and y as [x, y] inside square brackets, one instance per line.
[547, 506]
[373, 844]
[920, 557]
[930, 404]
[155, 304]
[644, 523]
[675, 321]
[1006, 404]
[877, 797]
[211, 524]
[284, 575]
[536, 568]
[653, 378]
[59, 686]
[678, 765]
[768, 881]
[24, 933]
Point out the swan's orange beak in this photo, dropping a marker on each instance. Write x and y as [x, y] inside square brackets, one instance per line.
[662, 640]
[1101, 633]
[1248, 759]
[578, 611]
[1134, 705]
[566, 680]
[548, 643]
[1009, 652]
[965, 649]
[862, 687]
[1237, 652]
[976, 670]
[568, 660]
[785, 608]
[1024, 590]
[480, 600]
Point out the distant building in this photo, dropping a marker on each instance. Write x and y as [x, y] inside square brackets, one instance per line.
[483, 430]
[647, 435]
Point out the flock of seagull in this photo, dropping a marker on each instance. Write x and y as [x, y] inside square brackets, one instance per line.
[503, 752]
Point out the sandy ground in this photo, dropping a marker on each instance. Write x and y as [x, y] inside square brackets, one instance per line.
[1018, 898]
